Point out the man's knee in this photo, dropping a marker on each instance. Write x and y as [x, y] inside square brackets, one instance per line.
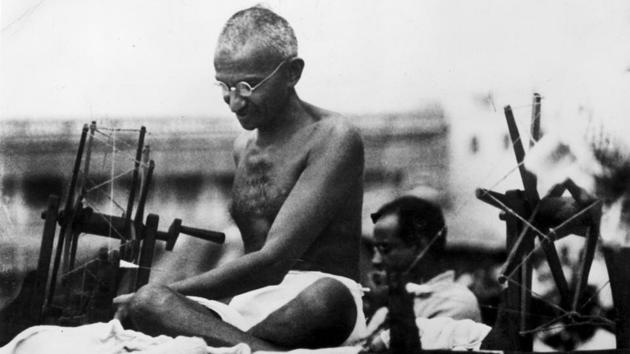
[331, 310]
[322, 315]
[150, 301]
[331, 299]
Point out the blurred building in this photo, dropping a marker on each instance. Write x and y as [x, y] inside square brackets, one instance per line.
[194, 162]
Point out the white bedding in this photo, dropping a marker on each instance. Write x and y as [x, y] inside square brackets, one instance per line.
[112, 338]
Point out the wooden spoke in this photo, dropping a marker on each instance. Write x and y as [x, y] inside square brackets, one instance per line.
[70, 202]
[588, 253]
[529, 180]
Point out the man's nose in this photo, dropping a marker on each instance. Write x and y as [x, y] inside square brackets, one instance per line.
[377, 260]
[236, 102]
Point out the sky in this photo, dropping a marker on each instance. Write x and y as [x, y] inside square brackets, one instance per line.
[78, 59]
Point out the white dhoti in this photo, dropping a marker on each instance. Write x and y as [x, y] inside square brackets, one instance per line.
[246, 310]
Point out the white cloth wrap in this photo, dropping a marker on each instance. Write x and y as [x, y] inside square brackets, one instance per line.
[248, 309]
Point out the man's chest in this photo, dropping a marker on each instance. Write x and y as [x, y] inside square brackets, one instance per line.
[263, 180]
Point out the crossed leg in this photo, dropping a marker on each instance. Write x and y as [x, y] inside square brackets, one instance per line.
[322, 315]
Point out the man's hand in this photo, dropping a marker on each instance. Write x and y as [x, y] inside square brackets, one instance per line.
[122, 301]
[378, 295]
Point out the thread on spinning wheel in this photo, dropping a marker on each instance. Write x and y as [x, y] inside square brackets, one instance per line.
[113, 183]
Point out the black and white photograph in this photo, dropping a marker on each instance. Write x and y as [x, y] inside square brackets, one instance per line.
[315, 176]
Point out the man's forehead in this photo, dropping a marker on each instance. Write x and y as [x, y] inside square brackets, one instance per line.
[250, 58]
[387, 224]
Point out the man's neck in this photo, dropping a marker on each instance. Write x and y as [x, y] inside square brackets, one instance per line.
[426, 270]
[289, 120]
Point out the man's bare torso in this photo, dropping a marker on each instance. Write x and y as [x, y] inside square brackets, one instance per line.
[265, 177]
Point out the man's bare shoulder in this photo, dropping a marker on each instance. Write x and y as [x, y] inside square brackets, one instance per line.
[337, 136]
[333, 127]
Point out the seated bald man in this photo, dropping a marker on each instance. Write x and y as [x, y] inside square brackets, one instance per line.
[296, 199]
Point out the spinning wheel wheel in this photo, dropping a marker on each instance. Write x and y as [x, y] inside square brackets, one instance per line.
[534, 223]
[101, 277]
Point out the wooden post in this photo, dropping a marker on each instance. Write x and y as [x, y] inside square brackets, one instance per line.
[70, 201]
[517, 299]
[619, 273]
[146, 252]
[45, 256]
[534, 132]
[404, 334]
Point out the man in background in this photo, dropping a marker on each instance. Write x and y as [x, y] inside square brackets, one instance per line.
[409, 237]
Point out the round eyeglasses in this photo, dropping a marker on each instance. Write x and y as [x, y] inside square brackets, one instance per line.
[244, 89]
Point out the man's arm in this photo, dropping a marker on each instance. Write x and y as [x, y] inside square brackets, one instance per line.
[333, 167]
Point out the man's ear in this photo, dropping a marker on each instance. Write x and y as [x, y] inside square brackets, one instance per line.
[296, 66]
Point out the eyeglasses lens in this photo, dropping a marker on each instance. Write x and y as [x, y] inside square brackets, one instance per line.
[225, 89]
[243, 89]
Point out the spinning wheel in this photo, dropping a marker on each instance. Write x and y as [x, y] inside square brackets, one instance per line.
[100, 278]
[534, 223]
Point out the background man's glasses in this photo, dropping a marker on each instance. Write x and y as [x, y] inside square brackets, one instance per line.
[244, 89]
